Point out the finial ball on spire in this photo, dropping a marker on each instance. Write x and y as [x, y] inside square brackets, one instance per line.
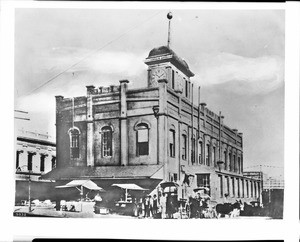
[170, 15]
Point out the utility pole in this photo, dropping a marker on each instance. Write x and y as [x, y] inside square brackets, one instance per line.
[269, 189]
[29, 192]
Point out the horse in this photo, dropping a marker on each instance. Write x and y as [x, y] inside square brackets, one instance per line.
[209, 212]
[223, 209]
[237, 208]
[231, 210]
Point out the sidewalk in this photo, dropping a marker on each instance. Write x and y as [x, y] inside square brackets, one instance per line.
[22, 211]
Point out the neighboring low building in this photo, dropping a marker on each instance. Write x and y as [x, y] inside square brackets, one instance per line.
[35, 156]
[152, 134]
[258, 176]
[273, 196]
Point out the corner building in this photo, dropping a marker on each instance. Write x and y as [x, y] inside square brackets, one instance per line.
[153, 134]
[35, 155]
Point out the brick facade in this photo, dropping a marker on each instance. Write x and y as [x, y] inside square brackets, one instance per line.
[181, 135]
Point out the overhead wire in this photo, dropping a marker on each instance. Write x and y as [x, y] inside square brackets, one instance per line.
[91, 54]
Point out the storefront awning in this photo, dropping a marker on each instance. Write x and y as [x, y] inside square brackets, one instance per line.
[105, 172]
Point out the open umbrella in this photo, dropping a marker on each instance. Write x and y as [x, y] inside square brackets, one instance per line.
[130, 186]
[168, 184]
[172, 186]
[197, 189]
[80, 184]
[205, 196]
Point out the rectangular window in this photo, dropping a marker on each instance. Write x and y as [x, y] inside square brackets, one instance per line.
[221, 185]
[229, 161]
[186, 89]
[247, 188]
[29, 162]
[251, 188]
[234, 164]
[184, 145]
[17, 159]
[227, 185]
[207, 155]
[175, 177]
[225, 160]
[172, 143]
[239, 165]
[42, 165]
[200, 152]
[233, 187]
[255, 189]
[214, 156]
[238, 187]
[203, 180]
[173, 79]
[243, 188]
[193, 153]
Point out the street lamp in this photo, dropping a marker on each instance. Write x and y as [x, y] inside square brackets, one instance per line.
[19, 171]
[155, 110]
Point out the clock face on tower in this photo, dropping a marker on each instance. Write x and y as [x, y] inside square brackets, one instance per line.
[158, 74]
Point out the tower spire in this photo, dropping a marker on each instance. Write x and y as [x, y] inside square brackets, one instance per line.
[169, 16]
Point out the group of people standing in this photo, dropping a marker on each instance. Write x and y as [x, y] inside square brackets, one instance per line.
[197, 206]
[161, 206]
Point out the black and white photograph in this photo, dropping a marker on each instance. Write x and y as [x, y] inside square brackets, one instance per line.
[149, 113]
[158, 114]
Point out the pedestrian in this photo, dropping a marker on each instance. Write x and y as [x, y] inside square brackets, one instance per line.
[193, 207]
[147, 207]
[57, 206]
[140, 207]
[198, 205]
[150, 206]
[163, 205]
[154, 206]
[97, 199]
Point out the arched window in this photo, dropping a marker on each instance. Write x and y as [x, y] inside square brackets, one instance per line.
[74, 142]
[106, 141]
[193, 153]
[142, 139]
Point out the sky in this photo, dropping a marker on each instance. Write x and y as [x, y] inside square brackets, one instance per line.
[237, 57]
